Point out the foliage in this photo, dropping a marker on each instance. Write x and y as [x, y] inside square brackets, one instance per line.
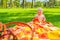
[32, 4]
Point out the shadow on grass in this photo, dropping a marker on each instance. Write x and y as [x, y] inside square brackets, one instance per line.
[26, 17]
[21, 17]
[54, 19]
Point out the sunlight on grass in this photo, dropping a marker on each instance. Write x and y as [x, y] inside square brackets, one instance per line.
[26, 15]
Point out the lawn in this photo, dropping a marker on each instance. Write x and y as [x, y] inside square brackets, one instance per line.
[26, 15]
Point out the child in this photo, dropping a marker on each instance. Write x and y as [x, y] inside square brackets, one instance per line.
[39, 17]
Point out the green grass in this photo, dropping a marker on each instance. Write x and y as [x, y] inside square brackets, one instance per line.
[26, 15]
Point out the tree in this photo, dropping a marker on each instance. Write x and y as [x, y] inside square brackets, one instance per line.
[58, 3]
[3, 3]
[46, 3]
[11, 5]
[38, 4]
[28, 4]
[52, 3]
[17, 3]
[23, 3]
[33, 3]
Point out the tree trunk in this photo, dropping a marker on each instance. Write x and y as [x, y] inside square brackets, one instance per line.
[1, 3]
[11, 4]
[32, 4]
[4, 3]
[23, 3]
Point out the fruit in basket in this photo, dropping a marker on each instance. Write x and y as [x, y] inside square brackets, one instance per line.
[27, 28]
[43, 36]
[53, 35]
[36, 38]
[24, 38]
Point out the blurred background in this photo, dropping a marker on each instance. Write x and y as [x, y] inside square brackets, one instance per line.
[25, 10]
[29, 3]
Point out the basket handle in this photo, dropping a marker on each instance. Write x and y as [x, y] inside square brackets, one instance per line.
[19, 24]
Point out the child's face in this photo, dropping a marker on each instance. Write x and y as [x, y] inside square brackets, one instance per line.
[39, 12]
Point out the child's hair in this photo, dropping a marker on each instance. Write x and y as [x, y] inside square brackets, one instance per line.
[40, 11]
